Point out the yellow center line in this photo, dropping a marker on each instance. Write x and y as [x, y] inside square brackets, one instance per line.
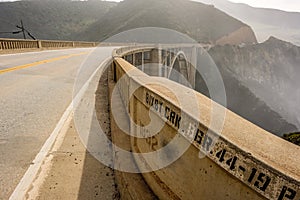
[40, 62]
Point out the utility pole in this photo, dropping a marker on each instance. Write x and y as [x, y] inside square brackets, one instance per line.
[23, 29]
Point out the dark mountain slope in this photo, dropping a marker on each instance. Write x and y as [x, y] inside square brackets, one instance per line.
[199, 21]
[51, 19]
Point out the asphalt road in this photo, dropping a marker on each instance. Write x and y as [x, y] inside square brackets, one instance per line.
[36, 88]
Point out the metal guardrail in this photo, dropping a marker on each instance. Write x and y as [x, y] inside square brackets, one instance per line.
[11, 44]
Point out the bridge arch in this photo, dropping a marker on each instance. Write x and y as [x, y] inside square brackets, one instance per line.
[178, 70]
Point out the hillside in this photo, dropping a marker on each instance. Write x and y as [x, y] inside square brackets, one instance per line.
[201, 22]
[51, 19]
[293, 137]
[96, 20]
[265, 22]
[269, 70]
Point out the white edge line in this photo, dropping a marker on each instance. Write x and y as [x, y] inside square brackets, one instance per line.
[29, 176]
[26, 181]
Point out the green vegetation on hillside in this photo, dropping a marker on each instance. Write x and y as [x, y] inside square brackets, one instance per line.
[292, 137]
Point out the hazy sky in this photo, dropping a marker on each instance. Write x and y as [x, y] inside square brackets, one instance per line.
[288, 5]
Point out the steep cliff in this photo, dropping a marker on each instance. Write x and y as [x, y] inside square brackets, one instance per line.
[270, 70]
[243, 35]
[264, 21]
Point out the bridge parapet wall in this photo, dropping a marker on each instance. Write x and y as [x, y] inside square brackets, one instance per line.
[12, 44]
[159, 60]
[244, 162]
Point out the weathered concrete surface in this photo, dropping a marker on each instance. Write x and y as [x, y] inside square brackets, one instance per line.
[70, 172]
[131, 186]
[245, 161]
[73, 173]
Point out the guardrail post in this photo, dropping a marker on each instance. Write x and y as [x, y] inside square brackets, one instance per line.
[39, 44]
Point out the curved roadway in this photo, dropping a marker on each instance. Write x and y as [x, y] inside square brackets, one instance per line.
[36, 88]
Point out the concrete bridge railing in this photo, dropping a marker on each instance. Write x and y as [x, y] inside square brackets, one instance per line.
[11, 44]
[242, 161]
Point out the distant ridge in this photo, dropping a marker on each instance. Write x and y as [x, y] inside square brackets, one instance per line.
[265, 22]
